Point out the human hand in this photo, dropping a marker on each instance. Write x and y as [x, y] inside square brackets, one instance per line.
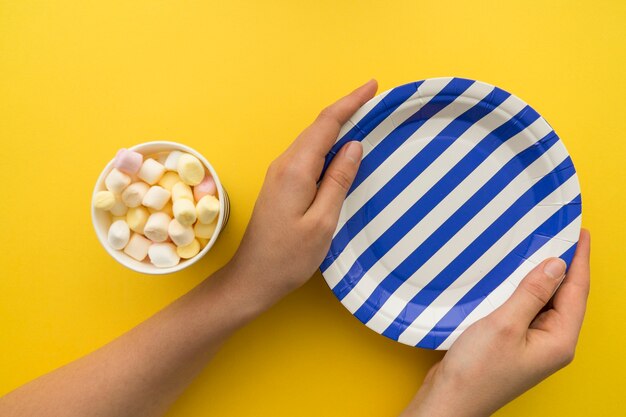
[515, 347]
[293, 220]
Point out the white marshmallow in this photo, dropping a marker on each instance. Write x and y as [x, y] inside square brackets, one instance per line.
[137, 218]
[163, 255]
[204, 231]
[151, 171]
[134, 193]
[137, 247]
[116, 181]
[181, 235]
[190, 250]
[190, 169]
[171, 162]
[156, 197]
[181, 190]
[207, 209]
[104, 200]
[184, 211]
[119, 208]
[119, 234]
[156, 227]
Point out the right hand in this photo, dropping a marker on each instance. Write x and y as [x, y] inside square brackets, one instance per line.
[514, 348]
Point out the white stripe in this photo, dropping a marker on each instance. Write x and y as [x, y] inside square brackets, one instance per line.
[427, 179]
[557, 245]
[465, 236]
[531, 220]
[413, 145]
[427, 90]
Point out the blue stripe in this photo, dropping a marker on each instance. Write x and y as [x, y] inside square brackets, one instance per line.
[476, 249]
[453, 224]
[430, 199]
[395, 139]
[538, 238]
[373, 118]
[415, 166]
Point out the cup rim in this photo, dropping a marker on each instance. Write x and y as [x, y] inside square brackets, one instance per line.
[147, 268]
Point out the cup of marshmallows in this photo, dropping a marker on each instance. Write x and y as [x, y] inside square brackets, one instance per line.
[158, 207]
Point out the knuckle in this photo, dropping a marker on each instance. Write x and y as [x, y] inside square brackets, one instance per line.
[328, 113]
[502, 325]
[563, 354]
[538, 290]
[340, 177]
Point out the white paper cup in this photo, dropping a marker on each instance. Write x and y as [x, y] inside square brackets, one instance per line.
[102, 219]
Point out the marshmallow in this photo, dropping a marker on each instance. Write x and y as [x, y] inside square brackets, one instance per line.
[118, 236]
[134, 193]
[163, 255]
[181, 190]
[119, 208]
[151, 171]
[127, 161]
[156, 197]
[116, 181]
[171, 162]
[181, 235]
[156, 227]
[207, 209]
[204, 231]
[184, 211]
[203, 242]
[104, 200]
[167, 209]
[190, 250]
[137, 247]
[137, 218]
[206, 187]
[161, 157]
[116, 218]
[190, 169]
[168, 180]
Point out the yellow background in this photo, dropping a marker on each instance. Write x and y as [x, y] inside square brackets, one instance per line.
[238, 81]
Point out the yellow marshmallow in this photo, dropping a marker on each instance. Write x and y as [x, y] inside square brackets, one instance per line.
[204, 231]
[203, 242]
[181, 190]
[167, 209]
[207, 209]
[104, 200]
[168, 180]
[137, 218]
[190, 250]
[184, 211]
[190, 169]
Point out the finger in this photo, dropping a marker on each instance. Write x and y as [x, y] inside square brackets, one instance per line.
[336, 182]
[533, 293]
[317, 139]
[570, 301]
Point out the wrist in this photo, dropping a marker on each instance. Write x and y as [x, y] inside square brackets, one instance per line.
[442, 396]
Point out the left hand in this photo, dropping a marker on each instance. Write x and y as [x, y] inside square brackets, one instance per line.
[293, 220]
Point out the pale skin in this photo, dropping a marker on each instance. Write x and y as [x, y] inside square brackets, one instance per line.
[142, 372]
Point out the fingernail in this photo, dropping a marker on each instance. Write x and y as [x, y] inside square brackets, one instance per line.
[354, 150]
[555, 268]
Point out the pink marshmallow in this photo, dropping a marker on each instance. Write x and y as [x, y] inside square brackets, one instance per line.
[128, 161]
[206, 187]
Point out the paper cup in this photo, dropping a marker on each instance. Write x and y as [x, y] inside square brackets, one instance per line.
[102, 219]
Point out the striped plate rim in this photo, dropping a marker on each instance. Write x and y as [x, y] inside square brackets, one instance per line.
[427, 173]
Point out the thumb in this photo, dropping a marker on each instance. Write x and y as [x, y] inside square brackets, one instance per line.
[534, 292]
[337, 181]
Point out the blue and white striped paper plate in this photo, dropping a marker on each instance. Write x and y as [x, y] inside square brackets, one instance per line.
[462, 190]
